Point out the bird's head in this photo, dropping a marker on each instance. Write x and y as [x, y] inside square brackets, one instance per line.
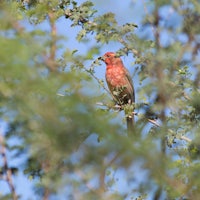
[110, 58]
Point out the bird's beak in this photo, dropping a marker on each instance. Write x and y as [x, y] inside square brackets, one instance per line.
[102, 58]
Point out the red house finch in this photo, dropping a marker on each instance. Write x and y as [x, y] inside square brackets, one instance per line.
[120, 84]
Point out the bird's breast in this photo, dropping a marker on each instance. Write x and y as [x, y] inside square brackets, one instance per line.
[115, 76]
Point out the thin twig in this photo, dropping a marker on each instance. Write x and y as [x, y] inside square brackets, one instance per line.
[186, 96]
[185, 138]
[154, 122]
[134, 51]
[113, 107]
[181, 137]
[97, 79]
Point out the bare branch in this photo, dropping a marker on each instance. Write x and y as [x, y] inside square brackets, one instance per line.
[154, 122]
[185, 138]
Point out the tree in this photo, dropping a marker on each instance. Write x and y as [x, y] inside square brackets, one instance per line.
[77, 148]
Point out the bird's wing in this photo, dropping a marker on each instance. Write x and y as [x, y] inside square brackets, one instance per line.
[130, 85]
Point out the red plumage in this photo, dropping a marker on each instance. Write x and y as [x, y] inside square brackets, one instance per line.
[119, 82]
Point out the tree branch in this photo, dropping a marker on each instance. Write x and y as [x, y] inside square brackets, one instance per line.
[182, 137]
[50, 60]
[6, 169]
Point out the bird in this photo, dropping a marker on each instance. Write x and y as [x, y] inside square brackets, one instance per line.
[120, 84]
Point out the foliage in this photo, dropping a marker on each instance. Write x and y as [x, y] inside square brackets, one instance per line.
[71, 145]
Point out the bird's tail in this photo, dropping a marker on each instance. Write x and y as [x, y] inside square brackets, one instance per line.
[128, 110]
[130, 124]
